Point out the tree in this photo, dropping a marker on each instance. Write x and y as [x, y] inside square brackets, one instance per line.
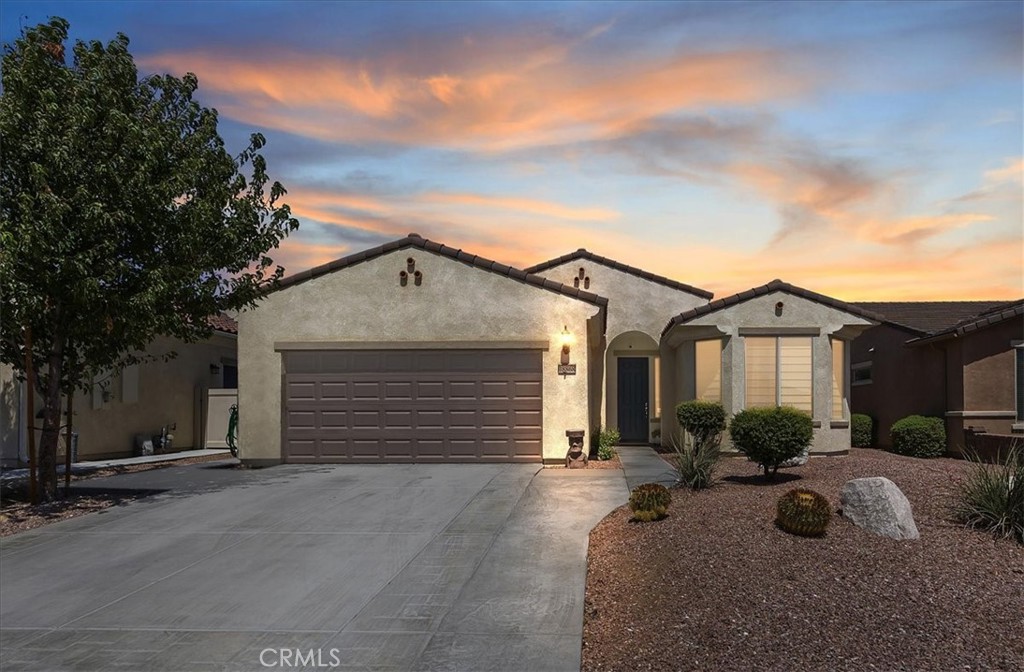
[122, 216]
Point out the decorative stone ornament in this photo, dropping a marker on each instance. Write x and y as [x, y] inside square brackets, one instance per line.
[576, 457]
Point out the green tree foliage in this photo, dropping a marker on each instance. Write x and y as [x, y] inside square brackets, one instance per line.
[122, 215]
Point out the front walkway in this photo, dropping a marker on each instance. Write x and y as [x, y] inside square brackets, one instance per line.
[641, 464]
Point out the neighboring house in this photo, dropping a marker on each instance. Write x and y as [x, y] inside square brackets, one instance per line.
[415, 351]
[959, 360]
[139, 400]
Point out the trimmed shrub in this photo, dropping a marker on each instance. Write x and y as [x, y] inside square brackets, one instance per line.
[803, 512]
[861, 430]
[607, 439]
[703, 420]
[696, 466]
[918, 436]
[770, 436]
[991, 497]
[649, 501]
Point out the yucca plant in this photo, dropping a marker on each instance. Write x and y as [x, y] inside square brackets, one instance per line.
[803, 512]
[696, 465]
[649, 501]
[991, 497]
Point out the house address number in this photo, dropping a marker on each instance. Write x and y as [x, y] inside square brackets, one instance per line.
[567, 369]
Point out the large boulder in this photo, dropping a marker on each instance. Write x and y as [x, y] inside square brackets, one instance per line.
[877, 505]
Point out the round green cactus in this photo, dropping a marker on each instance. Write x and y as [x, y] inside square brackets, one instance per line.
[649, 501]
[803, 512]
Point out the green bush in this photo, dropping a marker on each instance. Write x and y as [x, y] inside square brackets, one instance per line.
[649, 501]
[607, 439]
[803, 512]
[991, 497]
[696, 466]
[918, 436]
[770, 436]
[703, 420]
[861, 430]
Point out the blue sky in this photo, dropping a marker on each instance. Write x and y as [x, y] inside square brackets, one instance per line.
[864, 150]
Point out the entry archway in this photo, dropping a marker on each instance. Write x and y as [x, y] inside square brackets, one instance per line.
[632, 395]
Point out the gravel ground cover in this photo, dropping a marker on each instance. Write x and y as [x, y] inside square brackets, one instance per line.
[17, 515]
[716, 586]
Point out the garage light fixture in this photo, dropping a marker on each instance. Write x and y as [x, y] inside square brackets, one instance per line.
[565, 338]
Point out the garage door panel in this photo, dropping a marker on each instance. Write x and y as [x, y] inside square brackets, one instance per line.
[425, 406]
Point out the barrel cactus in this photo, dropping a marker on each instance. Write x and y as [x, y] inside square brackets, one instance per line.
[649, 502]
[803, 512]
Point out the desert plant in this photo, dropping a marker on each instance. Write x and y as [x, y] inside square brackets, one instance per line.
[607, 439]
[861, 430]
[918, 436]
[649, 501]
[991, 496]
[703, 420]
[696, 465]
[770, 436]
[803, 512]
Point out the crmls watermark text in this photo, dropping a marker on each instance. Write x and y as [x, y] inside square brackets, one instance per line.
[285, 658]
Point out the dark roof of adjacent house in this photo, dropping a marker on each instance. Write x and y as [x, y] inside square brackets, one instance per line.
[773, 286]
[924, 317]
[223, 322]
[618, 266]
[993, 315]
[418, 241]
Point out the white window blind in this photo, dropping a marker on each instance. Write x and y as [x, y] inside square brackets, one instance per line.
[760, 371]
[779, 371]
[838, 379]
[795, 374]
[708, 370]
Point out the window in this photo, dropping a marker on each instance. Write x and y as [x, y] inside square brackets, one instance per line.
[708, 370]
[838, 379]
[861, 373]
[1018, 352]
[779, 372]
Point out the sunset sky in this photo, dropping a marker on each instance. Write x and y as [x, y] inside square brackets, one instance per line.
[867, 151]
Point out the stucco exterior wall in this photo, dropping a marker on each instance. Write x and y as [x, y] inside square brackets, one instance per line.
[365, 303]
[904, 380]
[759, 313]
[635, 306]
[10, 402]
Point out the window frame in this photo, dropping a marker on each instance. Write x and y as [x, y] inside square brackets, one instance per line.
[846, 371]
[721, 367]
[778, 369]
[862, 366]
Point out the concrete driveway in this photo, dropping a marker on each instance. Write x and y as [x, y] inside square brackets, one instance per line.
[398, 567]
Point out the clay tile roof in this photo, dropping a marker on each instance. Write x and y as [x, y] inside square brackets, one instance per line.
[992, 315]
[223, 323]
[925, 317]
[773, 286]
[619, 266]
[417, 241]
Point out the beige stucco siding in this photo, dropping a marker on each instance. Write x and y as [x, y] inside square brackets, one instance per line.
[760, 313]
[638, 310]
[365, 303]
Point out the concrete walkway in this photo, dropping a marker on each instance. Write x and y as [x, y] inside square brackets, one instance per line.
[641, 464]
[390, 567]
[87, 466]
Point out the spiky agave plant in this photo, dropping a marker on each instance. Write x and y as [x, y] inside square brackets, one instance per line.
[803, 512]
[649, 501]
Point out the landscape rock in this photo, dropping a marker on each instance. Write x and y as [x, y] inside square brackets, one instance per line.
[798, 461]
[879, 506]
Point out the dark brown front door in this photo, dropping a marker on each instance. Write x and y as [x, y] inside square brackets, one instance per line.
[412, 406]
[633, 406]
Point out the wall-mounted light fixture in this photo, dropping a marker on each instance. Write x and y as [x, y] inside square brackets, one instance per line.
[565, 338]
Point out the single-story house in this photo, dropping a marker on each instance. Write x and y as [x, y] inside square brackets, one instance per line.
[187, 392]
[414, 351]
[958, 360]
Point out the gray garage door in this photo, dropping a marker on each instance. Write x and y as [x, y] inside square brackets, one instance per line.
[412, 406]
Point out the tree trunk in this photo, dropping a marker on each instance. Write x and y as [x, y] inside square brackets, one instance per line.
[30, 421]
[67, 443]
[51, 423]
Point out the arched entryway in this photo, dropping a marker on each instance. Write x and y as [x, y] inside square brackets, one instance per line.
[632, 397]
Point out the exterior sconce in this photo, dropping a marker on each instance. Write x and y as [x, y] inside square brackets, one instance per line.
[403, 278]
[778, 308]
[418, 278]
[566, 340]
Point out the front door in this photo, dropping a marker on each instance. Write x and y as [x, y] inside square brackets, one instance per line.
[634, 402]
